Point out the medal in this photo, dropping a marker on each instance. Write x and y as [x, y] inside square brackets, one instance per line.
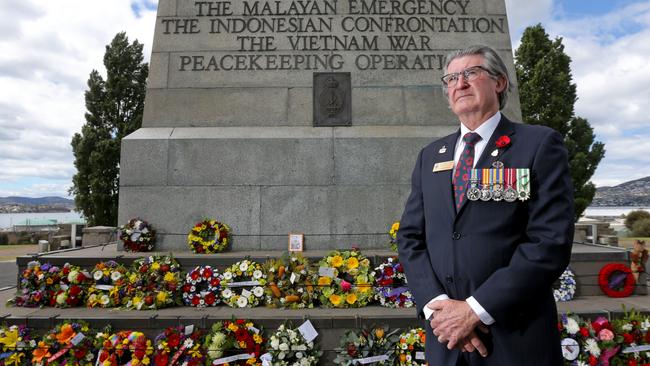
[510, 194]
[497, 187]
[523, 184]
[473, 193]
[497, 164]
[486, 193]
[442, 150]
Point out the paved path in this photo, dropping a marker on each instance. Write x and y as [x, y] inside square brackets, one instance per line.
[8, 268]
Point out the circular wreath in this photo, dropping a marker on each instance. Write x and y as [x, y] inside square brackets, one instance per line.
[137, 236]
[123, 348]
[392, 233]
[567, 288]
[57, 346]
[209, 236]
[109, 287]
[179, 346]
[153, 283]
[288, 347]
[616, 280]
[202, 287]
[392, 289]
[357, 347]
[15, 344]
[72, 288]
[344, 279]
[243, 284]
[38, 284]
[410, 348]
[290, 283]
[236, 342]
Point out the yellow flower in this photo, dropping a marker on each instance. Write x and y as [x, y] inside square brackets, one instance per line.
[353, 262]
[161, 297]
[379, 332]
[242, 344]
[155, 266]
[335, 299]
[351, 298]
[145, 360]
[337, 261]
[365, 263]
[232, 327]
[137, 300]
[257, 338]
[395, 227]
[324, 281]
[169, 277]
[133, 277]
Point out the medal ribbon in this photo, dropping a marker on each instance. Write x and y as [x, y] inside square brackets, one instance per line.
[523, 179]
[500, 177]
[486, 178]
[493, 177]
[510, 178]
[473, 177]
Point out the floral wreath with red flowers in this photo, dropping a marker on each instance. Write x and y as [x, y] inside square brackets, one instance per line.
[502, 141]
[38, 284]
[202, 287]
[392, 290]
[410, 348]
[153, 283]
[179, 346]
[236, 342]
[616, 280]
[635, 330]
[74, 283]
[209, 236]
[123, 348]
[137, 236]
[69, 344]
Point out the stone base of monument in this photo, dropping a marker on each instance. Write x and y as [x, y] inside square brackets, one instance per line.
[586, 262]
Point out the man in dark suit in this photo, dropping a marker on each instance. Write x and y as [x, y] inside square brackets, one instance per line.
[488, 227]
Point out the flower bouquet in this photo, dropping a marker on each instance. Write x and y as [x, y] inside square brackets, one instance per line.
[235, 342]
[392, 290]
[16, 344]
[68, 344]
[38, 284]
[123, 348]
[375, 345]
[243, 284]
[179, 346]
[567, 288]
[290, 282]
[209, 236]
[288, 347]
[109, 287]
[392, 233]
[137, 236]
[344, 279]
[202, 287]
[410, 348]
[153, 283]
[73, 286]
[629, 332]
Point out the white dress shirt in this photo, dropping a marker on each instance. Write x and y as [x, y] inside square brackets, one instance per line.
[485, 130]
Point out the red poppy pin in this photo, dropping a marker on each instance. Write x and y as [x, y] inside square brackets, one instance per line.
[503, 141]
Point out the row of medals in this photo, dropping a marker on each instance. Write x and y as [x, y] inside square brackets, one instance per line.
[508, 184]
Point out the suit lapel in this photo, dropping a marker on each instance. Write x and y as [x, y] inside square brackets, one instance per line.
[444, 151]
[504, 128]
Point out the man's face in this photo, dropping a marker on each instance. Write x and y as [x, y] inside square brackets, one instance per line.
[476, 96]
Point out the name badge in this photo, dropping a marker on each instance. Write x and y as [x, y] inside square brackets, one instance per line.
[442, 166]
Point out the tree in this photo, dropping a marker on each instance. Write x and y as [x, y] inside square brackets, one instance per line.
[548, 95]
[634, 216]
[114, 109]
[641, 228]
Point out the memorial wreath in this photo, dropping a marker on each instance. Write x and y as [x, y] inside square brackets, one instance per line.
[616, 280]
[137, 236]
[567, 288]
[236, 342]
[209, 236]
[179, 346]
[392, 290]
[243, 284]
[410, 348]
[290, 282]
[109, 287]
[344, 279]
[202, 287]
[288, 347]
[375, 345]
[68, 344]
[123, 348]
[153, 283]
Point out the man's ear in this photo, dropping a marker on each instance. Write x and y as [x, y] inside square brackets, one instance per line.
[501, 84]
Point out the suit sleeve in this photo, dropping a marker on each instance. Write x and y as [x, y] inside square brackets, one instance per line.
[546, 248]
[412, 246]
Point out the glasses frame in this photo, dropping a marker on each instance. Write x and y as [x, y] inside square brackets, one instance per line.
[464, 73]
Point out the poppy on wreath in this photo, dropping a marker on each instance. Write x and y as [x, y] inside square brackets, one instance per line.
[616, 280]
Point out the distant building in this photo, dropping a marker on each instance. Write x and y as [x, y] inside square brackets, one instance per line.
[36, 225]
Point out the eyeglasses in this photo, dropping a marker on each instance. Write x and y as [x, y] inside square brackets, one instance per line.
[469, 74]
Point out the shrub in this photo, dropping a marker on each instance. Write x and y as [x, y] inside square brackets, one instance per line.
[634, 216]
[641, 227]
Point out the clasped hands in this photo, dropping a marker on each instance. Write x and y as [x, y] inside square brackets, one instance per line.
[457, 324]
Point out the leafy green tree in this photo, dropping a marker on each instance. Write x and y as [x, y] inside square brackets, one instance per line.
[548, 95]
[114, 109]
[641, 228]
[633, 216]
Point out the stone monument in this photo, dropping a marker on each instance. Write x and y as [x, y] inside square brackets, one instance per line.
[244, 124]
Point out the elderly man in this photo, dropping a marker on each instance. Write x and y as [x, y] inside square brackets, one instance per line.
[488, 227]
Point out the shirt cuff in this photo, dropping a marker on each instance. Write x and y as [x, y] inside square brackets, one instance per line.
[485, 317]
[428, 312]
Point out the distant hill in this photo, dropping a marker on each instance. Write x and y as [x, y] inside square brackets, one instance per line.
[28, 201]
[632, 193]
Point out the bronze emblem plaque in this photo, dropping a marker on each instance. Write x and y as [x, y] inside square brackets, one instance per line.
[332, 99]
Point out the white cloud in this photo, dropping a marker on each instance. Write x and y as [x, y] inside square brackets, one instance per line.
[47, 51]
[522, 15]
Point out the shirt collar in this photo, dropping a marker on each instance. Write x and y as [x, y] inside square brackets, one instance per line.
[486, 129]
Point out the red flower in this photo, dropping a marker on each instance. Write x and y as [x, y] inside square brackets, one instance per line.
[75, 290]
[627, 338]
[196, 300]
[388, 271]
[215, 282]
[161, 359]
[80, 353]
[632, 363]
[584, 331]
[210, 298]
[173, 340]
[593, 361]
[503, 141]
[195, 275]
[207, 273]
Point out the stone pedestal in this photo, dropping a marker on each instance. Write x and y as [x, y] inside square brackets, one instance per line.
[98, 235]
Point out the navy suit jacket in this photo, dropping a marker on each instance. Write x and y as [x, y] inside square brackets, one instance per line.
[505, 254]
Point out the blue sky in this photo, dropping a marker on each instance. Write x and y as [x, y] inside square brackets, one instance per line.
[48, 48]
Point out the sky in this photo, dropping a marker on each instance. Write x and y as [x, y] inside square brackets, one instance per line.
[48, 49]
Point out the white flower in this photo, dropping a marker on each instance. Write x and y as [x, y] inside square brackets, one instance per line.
[98, 275]
[299, 355]
[60, 298]
[572, 326]
[242, 302]
[284, 347]
[116, 276]
[275, 343]
[104, 300]
[645, 325]
[188, 343]
[243, 266]
[627, 327]
[72, 276]
[226, 294]
[227, 276]
[304, 362]
[592, 347]
[408, 358]
[258, 291]
[257, 274]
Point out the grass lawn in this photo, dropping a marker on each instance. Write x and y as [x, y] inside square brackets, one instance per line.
[10, 252]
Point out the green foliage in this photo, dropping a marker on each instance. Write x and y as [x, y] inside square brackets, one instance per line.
[633, 216]
[114, 110]
[641, 227]
[547, 97]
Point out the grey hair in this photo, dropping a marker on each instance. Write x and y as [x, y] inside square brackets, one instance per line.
[491, 62]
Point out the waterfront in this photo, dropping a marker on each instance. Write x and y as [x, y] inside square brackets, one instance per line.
[7, 220]
[612, 210]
